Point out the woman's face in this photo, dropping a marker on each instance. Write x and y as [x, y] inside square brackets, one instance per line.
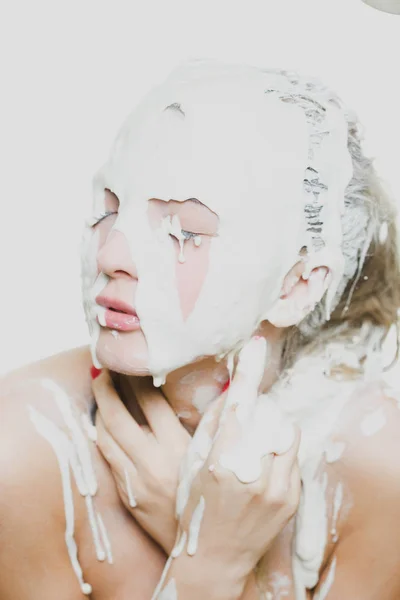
[121, 344]
[201, 275]
[193, 236]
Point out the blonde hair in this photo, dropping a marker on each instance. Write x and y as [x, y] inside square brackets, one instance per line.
[369, 293]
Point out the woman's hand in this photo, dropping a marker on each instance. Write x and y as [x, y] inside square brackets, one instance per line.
[144, 460]
[240, 482]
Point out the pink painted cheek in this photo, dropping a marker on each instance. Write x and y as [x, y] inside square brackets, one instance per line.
[191, 274]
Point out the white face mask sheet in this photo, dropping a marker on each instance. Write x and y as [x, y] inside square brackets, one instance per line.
[228, 136]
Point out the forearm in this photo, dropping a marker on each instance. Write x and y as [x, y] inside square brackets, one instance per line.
[186, 579]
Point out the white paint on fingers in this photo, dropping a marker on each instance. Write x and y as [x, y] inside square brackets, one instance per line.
[194, 527]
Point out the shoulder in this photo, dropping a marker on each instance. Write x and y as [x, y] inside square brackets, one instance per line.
[31, 502]
[70, 369]
[370, 431]
[32, 387]
[42, 407]
[366, 554]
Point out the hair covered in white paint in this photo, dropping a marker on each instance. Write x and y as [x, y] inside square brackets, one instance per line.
[369, 290]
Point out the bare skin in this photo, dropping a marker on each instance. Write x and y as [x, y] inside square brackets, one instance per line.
[32, 506]
[33, 558]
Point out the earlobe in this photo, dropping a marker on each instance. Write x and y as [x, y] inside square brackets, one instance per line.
[299, 296]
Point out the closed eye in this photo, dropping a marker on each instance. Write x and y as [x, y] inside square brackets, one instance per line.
[189, 234]
[103, 216]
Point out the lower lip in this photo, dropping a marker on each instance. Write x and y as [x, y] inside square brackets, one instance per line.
[121, 321]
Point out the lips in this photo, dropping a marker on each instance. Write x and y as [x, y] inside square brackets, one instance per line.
[116, 314]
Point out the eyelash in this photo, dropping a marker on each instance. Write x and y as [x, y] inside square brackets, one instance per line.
[189, 234]
[108, 213]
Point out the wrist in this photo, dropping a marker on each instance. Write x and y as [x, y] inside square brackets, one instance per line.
[197, 579]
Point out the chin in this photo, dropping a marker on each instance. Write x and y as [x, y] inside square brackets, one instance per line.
[123, 352]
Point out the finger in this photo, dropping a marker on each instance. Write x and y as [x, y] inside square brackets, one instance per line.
[197, 452]
[287, 492]
[117, 419]
[249, 372]
[280, 472]
[291, 454]
[295, 485]
[210, 421]
[284, 464]
[111, 451]
[127, 490]
[214, 409]
[242, 395]
[267, 462]
[146, 429]
[161, 417]
[123, 470]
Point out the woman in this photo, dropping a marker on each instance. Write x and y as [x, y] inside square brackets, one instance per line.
[242, 257]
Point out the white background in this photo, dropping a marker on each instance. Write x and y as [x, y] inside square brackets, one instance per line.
[72, 70]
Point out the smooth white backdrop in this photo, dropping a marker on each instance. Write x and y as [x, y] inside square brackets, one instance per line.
[71, 72]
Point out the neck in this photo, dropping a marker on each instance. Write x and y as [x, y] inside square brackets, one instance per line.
[191, 389]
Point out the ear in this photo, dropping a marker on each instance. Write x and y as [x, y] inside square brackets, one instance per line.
[299, 295]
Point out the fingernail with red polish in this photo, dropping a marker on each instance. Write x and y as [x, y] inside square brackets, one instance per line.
[226, 385]
[94, 372]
